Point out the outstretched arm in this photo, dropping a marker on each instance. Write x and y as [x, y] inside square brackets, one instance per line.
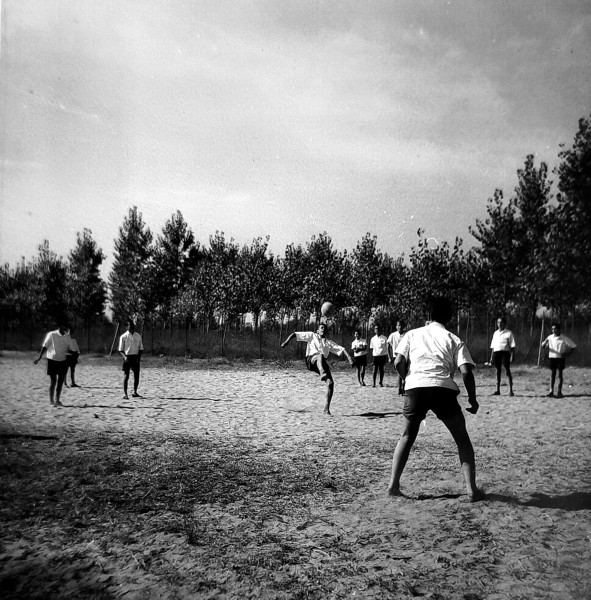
[288, 340]
[470, 385]
[348, 356]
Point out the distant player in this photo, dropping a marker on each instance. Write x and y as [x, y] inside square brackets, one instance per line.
[359, 349]
[56, 344]
[502, 353]
[393, 341]
[427, 359]
[379, 350]
[131, 348]
[317, 350]
[559, 347]
[72, 359]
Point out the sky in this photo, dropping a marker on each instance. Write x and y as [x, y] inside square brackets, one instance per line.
[279, 118]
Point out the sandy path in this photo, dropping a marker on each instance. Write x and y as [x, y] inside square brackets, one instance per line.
[532, 453]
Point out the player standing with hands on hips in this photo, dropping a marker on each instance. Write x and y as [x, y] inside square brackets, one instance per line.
[131, 348]
[559, 347]
[434, 355]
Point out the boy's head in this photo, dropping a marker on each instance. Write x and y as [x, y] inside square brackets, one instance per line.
[322, 329]
[501, 323]
[357, 334]
[130, 326]
[377, 329]
[440, 309]
[556, 328]
[399, 326]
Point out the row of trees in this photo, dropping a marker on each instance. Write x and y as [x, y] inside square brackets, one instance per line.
[533, 249]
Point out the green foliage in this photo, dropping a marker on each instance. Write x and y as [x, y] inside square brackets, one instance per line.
[88, 292]
[130, 280]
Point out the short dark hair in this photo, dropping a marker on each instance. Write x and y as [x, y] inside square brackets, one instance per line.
[440, 309]
[357, 331]
[556, 324]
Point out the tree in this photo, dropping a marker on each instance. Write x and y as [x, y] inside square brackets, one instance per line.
[52, 274]
[87, 290]
[569, 262]
[368, 285]
[129, 280]
[174, 256]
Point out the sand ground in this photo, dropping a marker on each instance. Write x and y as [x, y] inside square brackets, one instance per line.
[533, 457]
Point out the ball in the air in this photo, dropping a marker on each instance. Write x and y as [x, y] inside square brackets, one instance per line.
[328, 309]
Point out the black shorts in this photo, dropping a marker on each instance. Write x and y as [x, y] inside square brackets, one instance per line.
[502, 359]
[442, 401]
[313, 366]
[557, 363]
[360, 361]
[131, 364]
[72, 359]
[59, 368]
[381, 360]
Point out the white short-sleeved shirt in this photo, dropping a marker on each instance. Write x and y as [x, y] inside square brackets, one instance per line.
[434, 354]
[558, 345]
[502, 341]
[57, 345]
[359, 347]
[130, 343]
[394, 339]
[318, 345]
[379, 345]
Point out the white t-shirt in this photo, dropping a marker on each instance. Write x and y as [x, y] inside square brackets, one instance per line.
[359, 347]
[502, 341]
[130, 343]
[379, 345]
[57, 345]
[394, 339]
[558, 345]
[318, 345]
[433, 354]
[74, 346]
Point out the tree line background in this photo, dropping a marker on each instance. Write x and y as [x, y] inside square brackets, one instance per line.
[531, 261]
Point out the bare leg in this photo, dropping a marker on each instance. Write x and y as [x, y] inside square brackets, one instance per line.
[52, 384]
[73, 375]
[329, 393]
[552, 380]
[401, 453]
[559, 393]
[457, 428]
[381, 374]
[363, 375]
[375, 373]
[510, 378]
[136, 381]
[498, 381]
[125, 382]
[61, 378]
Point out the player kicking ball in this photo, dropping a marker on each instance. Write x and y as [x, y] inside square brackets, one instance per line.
[317, 350]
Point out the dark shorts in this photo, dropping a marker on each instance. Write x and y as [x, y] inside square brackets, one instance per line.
[442, 401]
[557, 363]
[131, 364]
[57, 367]
[72, 359]
[311, 364]
[360, 361]
[502, 359]
[380, 361]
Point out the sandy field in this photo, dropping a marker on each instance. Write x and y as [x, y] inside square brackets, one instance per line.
[530, 537]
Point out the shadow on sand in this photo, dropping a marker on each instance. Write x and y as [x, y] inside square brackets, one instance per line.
[571, 502]
[375, 415]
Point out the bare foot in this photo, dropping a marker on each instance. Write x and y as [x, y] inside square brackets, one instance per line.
[327, 411]
[476, 496]
[394, 492]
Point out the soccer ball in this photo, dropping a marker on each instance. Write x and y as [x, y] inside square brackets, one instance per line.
[328, 309]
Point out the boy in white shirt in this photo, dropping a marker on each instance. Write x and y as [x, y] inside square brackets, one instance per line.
[393, 341]
[56, 344]
[317, 350]
[427, 358]
[379, 349]
[559, 347]
[131, 348]
[359, 348]
[502, 354]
